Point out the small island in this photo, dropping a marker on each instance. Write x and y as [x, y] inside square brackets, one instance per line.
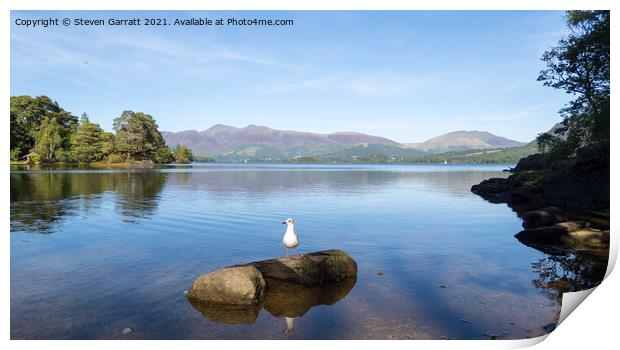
[42, 132]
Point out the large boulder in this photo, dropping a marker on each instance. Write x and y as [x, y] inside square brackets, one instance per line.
[286, 287]
[309, 269]
[237, 285]
[246, 284]
[569, 234]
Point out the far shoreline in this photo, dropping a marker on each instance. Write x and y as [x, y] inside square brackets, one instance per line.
[137, 165]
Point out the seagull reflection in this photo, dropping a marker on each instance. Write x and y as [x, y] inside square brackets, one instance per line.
[289, 324]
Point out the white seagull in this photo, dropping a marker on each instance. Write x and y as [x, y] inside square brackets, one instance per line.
[290, 237]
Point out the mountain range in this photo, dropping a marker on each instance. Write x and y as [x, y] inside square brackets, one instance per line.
[253, 142]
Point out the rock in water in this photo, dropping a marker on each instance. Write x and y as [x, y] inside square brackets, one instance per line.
[246, 284]
[565, 234]
[237, 285]
[311, 269]
[542, 217]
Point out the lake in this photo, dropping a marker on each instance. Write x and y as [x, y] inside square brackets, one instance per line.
[96, 251]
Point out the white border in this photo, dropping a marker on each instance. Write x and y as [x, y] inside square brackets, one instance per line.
[593, 323]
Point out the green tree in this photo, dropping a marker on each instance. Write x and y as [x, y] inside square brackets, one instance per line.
[163, 155]
[182, 154]
[89, 142]
[579, 65]
[49, 138]
[28, 113]
[137, 138]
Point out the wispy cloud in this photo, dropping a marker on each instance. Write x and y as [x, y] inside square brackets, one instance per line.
[371, 85]
[198, 52]
[102, 52]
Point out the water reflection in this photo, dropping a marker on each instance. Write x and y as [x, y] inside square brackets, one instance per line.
[283, 300]
[289, 324]
[572, 272]
[185, 221]
[40, 200]
[267, 181]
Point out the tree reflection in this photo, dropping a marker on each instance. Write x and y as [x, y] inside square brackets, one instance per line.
[138, 192]
[40, 200]
[570, 272]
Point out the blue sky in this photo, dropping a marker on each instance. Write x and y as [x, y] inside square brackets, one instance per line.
[407, 76]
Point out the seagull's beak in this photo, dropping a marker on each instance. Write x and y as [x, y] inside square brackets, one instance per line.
[283, 222]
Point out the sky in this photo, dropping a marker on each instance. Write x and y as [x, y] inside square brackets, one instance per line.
[404, 75]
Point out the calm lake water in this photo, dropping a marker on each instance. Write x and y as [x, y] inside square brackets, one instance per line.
[96, 251]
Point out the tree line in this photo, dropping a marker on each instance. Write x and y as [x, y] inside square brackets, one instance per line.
[580, 66]
[47, 133]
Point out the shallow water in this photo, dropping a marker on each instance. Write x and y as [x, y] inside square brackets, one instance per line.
[96, 251]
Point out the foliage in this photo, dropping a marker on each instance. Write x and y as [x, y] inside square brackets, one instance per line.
[579, 65]
[39, 124]
[27, 114]
[15, 152]
[90, 143]
[48, 138]
[203, 159]
[182, 154]
[163, 155]
[115, 158]
[305, 159]
[137, 136]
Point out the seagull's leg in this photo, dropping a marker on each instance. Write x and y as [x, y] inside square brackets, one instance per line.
[286, 251]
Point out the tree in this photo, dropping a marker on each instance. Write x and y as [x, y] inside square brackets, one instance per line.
[163, 155]
[138, 138]
[90, 143]
[182, 154]
[48, 138]
[28, 113]
[579, 64]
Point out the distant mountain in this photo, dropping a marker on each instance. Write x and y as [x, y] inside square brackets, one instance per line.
[464, 141]
[253, 142]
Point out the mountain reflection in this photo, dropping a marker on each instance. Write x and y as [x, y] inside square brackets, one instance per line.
[265, 180]
[41, 196]
[39, 200]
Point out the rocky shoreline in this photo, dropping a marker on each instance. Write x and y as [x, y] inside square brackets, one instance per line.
[564, 204]
[550, 230]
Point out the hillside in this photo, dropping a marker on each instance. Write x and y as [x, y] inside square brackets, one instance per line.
[260, 143]
[463, 141]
